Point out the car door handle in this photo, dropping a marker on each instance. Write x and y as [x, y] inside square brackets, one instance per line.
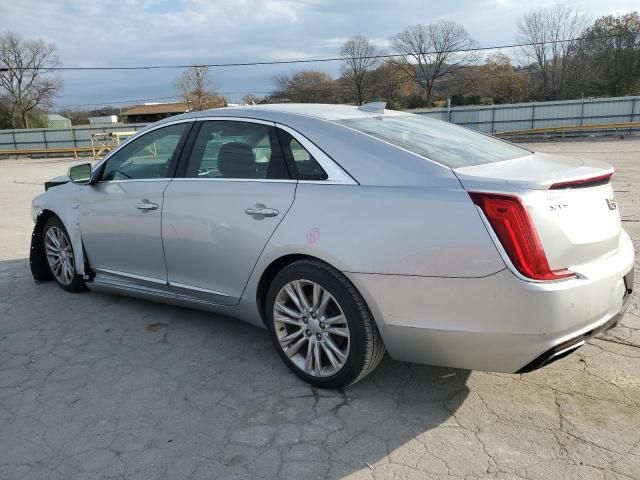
[146, 205]
[265, 212]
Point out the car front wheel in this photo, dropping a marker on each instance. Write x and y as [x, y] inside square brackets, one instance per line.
[321, 326]
[59, 254]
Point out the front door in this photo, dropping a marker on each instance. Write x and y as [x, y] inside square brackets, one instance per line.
[217, 219]
[120, 215]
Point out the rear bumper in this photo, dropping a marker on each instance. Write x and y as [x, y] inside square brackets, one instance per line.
[496, 323]
[563, 349]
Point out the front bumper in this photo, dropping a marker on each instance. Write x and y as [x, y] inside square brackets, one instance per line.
[563, 349]
[496, 323]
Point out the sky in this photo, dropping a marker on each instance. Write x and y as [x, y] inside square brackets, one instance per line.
[164, 32]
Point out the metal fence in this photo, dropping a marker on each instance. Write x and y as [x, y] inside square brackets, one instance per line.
[44, 138]
[524, 116]
[487, 119]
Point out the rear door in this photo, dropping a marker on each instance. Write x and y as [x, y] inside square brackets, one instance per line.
[120, 215]
[234, 191]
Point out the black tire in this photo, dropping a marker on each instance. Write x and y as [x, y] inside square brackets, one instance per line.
[366, 347]
[77, 283]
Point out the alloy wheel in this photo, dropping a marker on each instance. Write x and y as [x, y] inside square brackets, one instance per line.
[311, 328]
[59, 255]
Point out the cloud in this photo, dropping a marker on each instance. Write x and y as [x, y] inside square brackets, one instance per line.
[134, 32]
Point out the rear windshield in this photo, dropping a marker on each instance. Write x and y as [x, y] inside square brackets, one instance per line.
[436, 140]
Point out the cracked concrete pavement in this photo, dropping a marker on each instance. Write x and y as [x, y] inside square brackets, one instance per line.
[96, 386]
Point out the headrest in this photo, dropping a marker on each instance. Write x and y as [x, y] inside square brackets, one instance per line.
[236, 160]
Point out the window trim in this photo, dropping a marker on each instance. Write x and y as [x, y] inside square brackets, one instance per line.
[183, 161]
[335, 173]
[173, 162]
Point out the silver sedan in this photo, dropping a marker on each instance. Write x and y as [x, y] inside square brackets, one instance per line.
[348, 232]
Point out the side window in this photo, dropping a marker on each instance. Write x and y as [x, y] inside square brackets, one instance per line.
[145, 157]
[230, 149]
[305, 166]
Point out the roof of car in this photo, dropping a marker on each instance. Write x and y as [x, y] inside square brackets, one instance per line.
[276, 112]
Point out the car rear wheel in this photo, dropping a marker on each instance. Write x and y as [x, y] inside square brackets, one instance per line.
[321, 326]
[59, 254]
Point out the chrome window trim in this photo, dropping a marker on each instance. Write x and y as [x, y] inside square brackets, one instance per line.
[127, 180]
[138, 134]
[254, 180]
[335, 173]
[236, 119]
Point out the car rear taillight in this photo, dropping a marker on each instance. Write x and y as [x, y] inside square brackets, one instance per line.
[513, 227]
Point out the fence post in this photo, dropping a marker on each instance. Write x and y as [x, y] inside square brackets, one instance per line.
[633, 113]
[582, 111]
[46, 146]
[15, 144]
[533, 114]
[73, 137]
[493, 118]
[449, 110]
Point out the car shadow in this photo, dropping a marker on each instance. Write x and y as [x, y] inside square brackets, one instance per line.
[165, 391]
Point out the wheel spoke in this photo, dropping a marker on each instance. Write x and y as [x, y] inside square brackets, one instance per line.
[282, 319]
[66, 271]
[335, 320]
[57, 268]
[308, 364]
[303, 298]
[343, 332]
[53, 239]
[289, 338]
[317, 292]
[334, 348]
[329, 354]
[293, 296]
[290, 312]
[293, 349]
[316, 354]
[323, 303]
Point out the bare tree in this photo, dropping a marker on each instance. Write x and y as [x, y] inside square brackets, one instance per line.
[430, 52]
[391, 84]
[305, 86]
[549, 30]
[196, 88]
[26, 77]
[357, 65]
[250, 99]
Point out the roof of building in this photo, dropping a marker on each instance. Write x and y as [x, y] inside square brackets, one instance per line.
[157, 108]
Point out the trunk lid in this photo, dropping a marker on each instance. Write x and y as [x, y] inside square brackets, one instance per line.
[576, 219]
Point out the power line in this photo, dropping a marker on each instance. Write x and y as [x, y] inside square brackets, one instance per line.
[138, 100]
[331, 59]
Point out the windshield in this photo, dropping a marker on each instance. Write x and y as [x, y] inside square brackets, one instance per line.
[436, 140]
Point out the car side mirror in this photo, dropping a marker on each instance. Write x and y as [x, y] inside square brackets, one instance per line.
[80, 174]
